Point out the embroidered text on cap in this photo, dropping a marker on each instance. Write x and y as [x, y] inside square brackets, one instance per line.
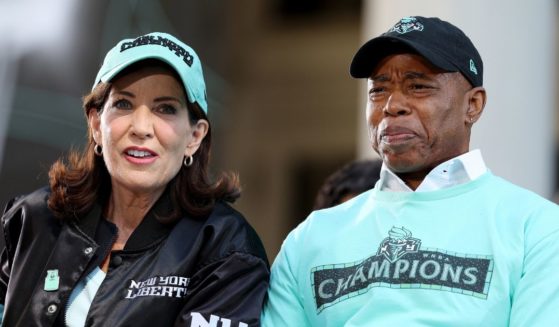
[162, 41]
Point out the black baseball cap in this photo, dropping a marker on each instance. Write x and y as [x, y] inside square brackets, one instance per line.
[442, 44]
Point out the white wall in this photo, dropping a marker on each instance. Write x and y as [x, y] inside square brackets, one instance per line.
[516, 40]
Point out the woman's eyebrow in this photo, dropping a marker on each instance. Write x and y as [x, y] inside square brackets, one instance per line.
[168, 98]
[127, 93]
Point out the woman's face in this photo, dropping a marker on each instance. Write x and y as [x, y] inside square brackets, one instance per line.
[145, 130]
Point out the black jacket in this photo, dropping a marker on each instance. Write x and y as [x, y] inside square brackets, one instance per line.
[189, 273]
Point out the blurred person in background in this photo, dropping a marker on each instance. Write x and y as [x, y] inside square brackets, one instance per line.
[347, 182]
[440, 240]
[132, 231]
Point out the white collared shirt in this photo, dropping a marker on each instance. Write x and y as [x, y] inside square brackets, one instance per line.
[458, 170]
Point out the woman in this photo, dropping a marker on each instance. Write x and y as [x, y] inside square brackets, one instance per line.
[131, 232]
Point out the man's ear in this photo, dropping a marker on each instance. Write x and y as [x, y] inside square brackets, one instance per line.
[199, 131]
[477, 98]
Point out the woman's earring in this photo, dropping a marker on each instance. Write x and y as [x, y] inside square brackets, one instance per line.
[98, 150]
[187, 162]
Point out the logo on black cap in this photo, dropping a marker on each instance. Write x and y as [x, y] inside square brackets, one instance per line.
[473, 68]
[407, 24]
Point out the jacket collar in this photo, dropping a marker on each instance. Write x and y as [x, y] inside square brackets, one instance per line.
[150, 230]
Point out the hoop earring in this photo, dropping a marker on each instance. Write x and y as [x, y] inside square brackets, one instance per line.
[98, 150]
[188, 161]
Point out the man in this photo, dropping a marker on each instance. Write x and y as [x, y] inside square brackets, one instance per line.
[440, 240]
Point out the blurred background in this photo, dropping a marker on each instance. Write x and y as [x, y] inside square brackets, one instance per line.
[285, 112]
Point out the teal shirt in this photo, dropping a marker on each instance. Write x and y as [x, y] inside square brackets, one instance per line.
[81, 298]
[483, 253]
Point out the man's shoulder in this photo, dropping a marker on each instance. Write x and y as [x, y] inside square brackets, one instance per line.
[516, 194]
[538, 216]
[344, 209]
[325, 224]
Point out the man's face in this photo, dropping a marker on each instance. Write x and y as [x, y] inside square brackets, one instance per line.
[417, 114]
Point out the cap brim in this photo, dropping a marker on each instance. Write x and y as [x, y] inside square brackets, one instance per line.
[372, 52]
[109, 75]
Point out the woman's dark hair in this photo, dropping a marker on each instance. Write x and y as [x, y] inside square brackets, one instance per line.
[82, 181]
[352, 179]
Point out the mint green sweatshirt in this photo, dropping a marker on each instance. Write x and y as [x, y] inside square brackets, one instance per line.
[484, 253]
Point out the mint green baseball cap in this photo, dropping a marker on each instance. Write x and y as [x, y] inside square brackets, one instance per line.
[164, 47]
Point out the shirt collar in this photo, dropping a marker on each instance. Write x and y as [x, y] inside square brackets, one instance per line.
[462, 169]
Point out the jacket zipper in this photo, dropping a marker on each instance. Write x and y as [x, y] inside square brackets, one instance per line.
[68, 299]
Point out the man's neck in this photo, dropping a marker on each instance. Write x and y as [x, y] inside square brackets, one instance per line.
[413, 179]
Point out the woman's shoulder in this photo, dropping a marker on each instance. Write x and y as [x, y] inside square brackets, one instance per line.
[34, 202]
[28, 214]
[230, 232]
[224, 214]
